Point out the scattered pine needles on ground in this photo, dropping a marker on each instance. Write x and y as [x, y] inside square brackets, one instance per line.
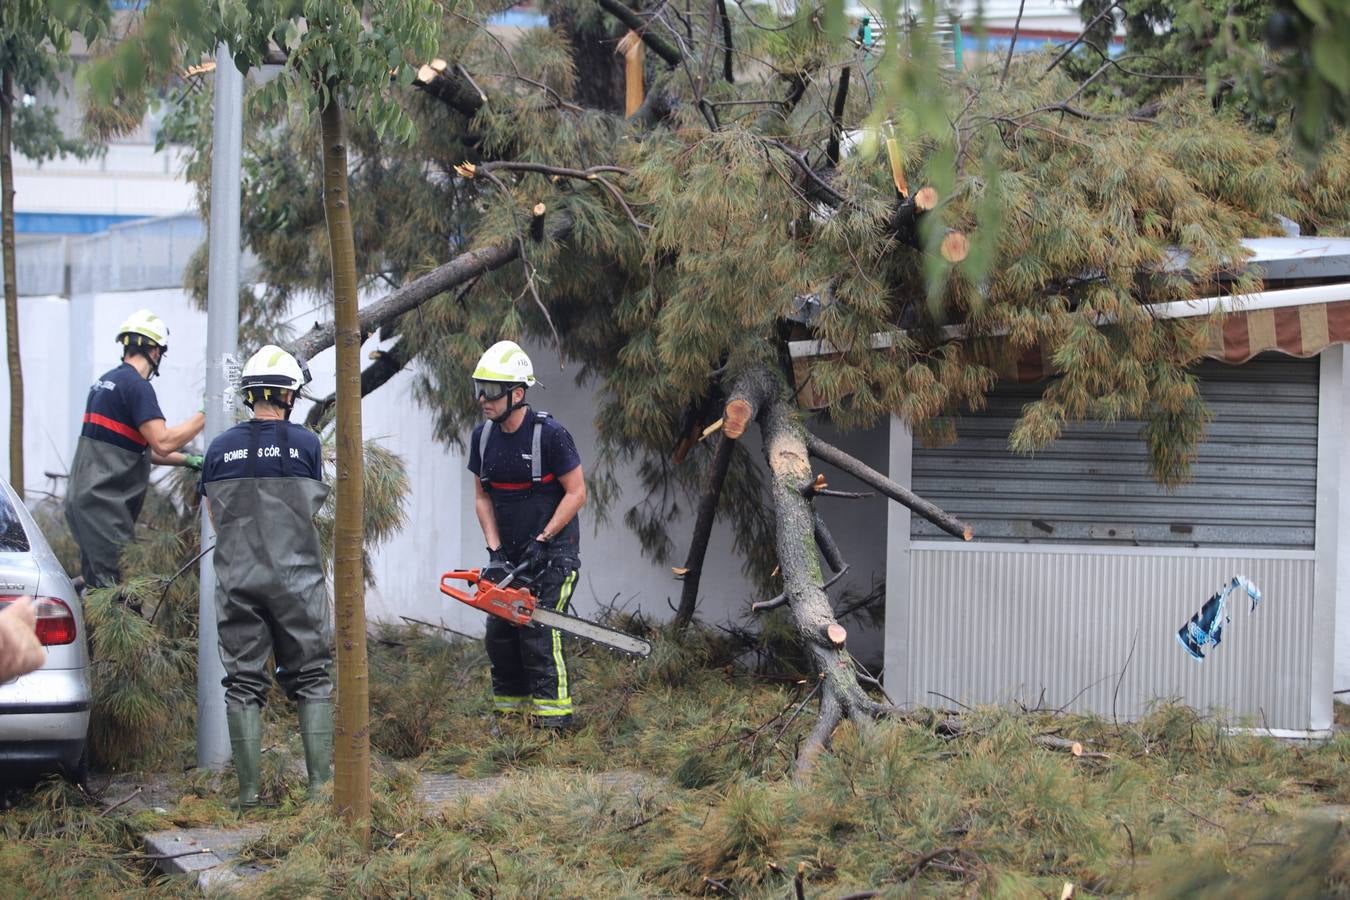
[1173, 805]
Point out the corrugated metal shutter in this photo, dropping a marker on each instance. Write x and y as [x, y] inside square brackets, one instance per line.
[1253, 485]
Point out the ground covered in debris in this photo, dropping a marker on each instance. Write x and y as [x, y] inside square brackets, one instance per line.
[1170, 806]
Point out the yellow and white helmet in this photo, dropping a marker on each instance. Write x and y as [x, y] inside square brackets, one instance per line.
[143, 329]
[505, 363]
[270, 371]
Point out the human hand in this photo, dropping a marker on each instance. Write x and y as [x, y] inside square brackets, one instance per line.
[193, 461]
[498, 566]
[533, 558]
[20, 650]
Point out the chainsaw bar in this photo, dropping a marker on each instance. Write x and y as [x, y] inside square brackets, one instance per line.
[591, 631]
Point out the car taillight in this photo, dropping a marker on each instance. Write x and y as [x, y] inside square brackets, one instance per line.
[55, 621]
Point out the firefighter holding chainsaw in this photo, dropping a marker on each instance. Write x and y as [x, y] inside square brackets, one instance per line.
[122, 434]
[263, 482]
[529, 489]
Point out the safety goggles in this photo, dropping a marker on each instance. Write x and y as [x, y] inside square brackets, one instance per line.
[491, 390]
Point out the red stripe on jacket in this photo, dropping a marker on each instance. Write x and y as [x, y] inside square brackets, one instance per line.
[115, 427]
[518, 485]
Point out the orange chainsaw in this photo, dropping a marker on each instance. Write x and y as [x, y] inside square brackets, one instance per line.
[519, 607]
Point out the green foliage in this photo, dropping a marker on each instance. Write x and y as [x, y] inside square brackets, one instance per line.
[1263, 57]
[334, 50]
[144, 681]
[35, 38]
[1076, 187]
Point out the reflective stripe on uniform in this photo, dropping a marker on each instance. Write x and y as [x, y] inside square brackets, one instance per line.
[544, 707]
[115, 427]
[564, 594]
[537, 453]
[504, 703]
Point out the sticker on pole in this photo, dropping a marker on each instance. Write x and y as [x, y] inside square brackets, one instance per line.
[231, 370]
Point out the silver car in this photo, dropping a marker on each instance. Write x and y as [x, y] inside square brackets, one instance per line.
[44, 715]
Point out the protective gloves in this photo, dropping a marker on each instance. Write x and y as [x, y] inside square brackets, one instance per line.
[533, 559]
[193, 461]
[498, 566]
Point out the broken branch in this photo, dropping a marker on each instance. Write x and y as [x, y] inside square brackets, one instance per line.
[537, 222]
[698, 544]
[387, 364]
[837, 118]
[438, 79]
[633, 20]
[863, 472]
[457, 271]
[743, 403]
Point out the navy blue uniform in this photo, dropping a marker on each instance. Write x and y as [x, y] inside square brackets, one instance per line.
[119, 404]
[228, 456]
[507, 472]
[529, 669]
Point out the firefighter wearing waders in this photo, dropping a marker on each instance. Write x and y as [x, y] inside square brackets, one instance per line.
[263, 482]
[529, 489]
[123, 433]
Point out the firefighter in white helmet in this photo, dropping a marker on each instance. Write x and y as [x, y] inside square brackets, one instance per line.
[122, 434]
[263, 482]
[530, 487]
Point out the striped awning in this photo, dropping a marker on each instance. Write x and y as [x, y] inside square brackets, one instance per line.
[1300, 331]
[1299, 322]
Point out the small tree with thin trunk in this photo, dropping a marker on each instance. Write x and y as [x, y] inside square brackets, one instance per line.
[335, 57]
[34, 44]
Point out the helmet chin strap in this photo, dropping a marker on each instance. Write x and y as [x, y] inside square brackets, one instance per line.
[511, 406]
[286, 407]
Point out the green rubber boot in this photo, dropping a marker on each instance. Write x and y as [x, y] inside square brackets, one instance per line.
[245, 723]
[316, 731]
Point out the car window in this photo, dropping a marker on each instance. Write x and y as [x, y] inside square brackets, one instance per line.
[13, 539]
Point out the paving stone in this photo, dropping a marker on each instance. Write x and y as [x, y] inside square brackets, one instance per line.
[437, 789]
[199, 850]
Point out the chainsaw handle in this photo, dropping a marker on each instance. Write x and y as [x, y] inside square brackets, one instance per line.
[506, 582]
[470, 576]
[515, 605]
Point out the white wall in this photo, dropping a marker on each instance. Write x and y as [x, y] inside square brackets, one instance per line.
[43, 323]
[126, 180]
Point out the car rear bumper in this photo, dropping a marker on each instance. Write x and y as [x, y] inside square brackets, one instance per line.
[49, 705]
[41, 754]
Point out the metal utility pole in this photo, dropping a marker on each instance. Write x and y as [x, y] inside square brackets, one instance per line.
[222, 338]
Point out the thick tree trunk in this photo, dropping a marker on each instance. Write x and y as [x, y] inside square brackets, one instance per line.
[698, 545]
[790, 468]
[841, 694]
[11, 284]
[351, 732]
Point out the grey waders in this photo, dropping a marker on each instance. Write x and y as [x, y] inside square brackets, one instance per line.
[272, 600]
[107, 489]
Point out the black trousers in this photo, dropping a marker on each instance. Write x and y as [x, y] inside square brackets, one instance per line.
[529, 669]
